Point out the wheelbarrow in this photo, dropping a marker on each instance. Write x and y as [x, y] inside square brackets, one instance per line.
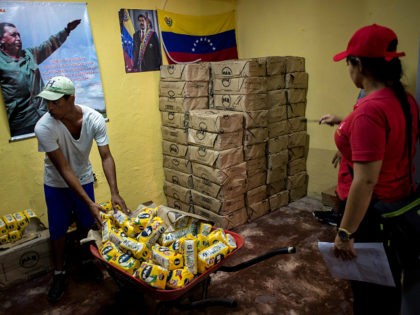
[175, 297]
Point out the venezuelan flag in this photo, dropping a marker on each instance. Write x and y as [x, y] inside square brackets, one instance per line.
[190, 39]
[127, 31]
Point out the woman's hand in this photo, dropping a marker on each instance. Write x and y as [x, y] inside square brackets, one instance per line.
[329, 119]
[344, 249]
[336, 159]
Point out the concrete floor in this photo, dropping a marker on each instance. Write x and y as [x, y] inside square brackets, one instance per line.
[285, 284]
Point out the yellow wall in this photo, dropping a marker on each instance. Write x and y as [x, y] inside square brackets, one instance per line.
[314, 29]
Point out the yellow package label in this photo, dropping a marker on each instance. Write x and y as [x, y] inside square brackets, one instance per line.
[125, 262]
[15, 235]
[21, 219]
[131, 229]
[230, 242]
[29, 213]
[109, 251]
[190, 255]
[217, 235]
[119, 218]
[168, 238]
[3, 228]
[202, 242]
[212, 255]
[152, 232]
[179, 278]
[137, 249]
[167, 258]
[204, 228]
[116, 236]
[107, 206]
[10, 222]
[4, 239]
[153, 275]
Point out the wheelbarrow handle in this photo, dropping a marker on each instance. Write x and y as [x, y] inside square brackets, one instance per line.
[253, 261]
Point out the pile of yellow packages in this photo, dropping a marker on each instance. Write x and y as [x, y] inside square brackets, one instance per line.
[13, 224]
[162, 256]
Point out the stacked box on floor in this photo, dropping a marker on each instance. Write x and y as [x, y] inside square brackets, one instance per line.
[241, 86]
[182, 87]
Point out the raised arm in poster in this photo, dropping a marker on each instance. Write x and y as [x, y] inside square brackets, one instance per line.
[40, 40]
[140, 38]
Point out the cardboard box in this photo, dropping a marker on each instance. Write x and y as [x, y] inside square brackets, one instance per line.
[276, 82]
[232, 188]
[296, 80]
[255, 166]
[297, 153]
[254, 151]
[217, 159]
[178, 164]
[177, 204]
[296, 124]
[256, 180]
[177, 192]
[248, 85]
[173, 119]
[279, 128]
[276, 65]
[240, 103]
[277, 113]
[178, 178]
[256, 118]
[185, 72]
[296, 110]
[256, 194]
[296, 166]
[176, 135]
[175, 149]
[255, 135]
[258, 209]
[215, 205]
[276, 187]
[295, 64]
[26, 260]
[228, 220]
[297, 180]
[182, 104]
[276, 98]
[297, 139]
[297, 193]
[296, 95]
[276, 174]
[219, 176]
[277, 160]
[175, 89]
[215, 120]
[279, 200]
[277, 144]
[215, 141]
[238, 68]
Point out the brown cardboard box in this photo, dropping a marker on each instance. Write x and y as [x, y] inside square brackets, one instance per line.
[276, 174]
[256, 194]
[296, 153]
[176, 135]
[185, 72]
[279, 128]
[258, 209]
[295, 64]
[297, 180]
[255, 135]
[296, 80]
[240, 103]
[215, 205]
[182, 104]
[277, 160]
[175, 149]
[277, 144]
[219, 176]
[296, 166]
[297, 139]
[255, 166]
[177, 204]
[256, 180]
[276, 187]
[178, 164]
[296, 95]
[177, 192]
[178, 178]
[238, 68]
[276, 65]
[175, 89]
[215, 141]
[215, 120]
[257, 118]
[228, 220]
[217, 159]
[276, 98]
[276, 82]
[176, 120]
[248, 85]
[26, 260]
[279, 200]
[297, 193]
[296, 124]
[254, 151]
[277, 113]
[232, 188]
[296, 110]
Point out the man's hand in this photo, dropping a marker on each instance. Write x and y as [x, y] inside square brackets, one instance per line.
[329, 119]
[117, 200]
[344, 250]
[336, 159]
[96, 210]
[72, 25]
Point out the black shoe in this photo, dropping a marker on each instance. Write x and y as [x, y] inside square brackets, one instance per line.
[57, 288]
[89, 271]
[328, 217]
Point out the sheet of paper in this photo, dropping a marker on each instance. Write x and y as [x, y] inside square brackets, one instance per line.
[371, 264]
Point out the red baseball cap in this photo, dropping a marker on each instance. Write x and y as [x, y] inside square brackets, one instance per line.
[371, 41]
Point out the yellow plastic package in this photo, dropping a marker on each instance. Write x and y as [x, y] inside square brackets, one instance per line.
[29, 213]
[217, 235]
[125, 262]
[167, 258]
[190, 255]
[10, 222]
[15, 235]
[179, 278]
[153, 275]
[4, 239]
[204, 228]
[137, 249]
[21, 219]
[109, 251]
[210, 256]
[152, 232]
[3, 227]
